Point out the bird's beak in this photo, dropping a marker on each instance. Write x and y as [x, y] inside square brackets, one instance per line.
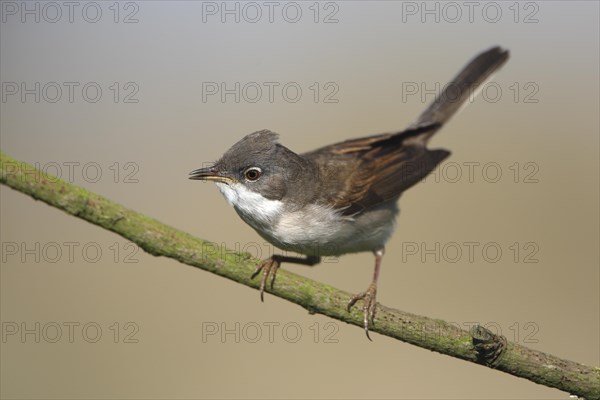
[210, 174]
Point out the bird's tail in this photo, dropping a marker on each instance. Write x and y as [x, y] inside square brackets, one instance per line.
[460, 90]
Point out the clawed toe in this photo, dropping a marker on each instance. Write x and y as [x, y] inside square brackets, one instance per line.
[369, 306]
[268, 267]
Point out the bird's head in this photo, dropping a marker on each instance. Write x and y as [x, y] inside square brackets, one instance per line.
[256, 173]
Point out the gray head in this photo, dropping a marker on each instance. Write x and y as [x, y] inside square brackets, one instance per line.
[259, 164]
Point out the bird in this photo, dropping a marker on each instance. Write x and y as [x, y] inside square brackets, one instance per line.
[341, 198]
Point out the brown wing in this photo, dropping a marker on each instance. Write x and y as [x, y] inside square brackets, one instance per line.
[368, 171]
[362, 173]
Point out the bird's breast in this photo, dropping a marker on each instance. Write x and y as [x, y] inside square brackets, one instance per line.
[322, 231]
[314, 229]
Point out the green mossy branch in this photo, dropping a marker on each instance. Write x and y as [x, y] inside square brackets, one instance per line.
[478, 346]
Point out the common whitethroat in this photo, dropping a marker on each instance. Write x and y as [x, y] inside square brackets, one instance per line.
[341, 198]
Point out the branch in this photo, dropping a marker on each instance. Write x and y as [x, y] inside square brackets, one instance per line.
[479, 345]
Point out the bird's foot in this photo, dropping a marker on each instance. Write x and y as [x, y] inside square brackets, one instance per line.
[268, 267]
[369, 305]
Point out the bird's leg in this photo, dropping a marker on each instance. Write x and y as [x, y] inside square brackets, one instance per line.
[368, 296]
[270, 266]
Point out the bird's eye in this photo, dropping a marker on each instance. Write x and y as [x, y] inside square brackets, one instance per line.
[252, 174]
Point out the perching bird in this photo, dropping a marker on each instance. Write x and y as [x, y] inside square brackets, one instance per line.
[341, 198]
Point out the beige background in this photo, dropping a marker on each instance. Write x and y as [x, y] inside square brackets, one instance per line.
[551, 305]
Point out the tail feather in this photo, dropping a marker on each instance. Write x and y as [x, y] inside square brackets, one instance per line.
[457, 92]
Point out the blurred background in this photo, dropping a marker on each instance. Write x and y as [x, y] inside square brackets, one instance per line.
[126, 98]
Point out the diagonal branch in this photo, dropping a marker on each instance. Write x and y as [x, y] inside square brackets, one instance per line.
[479, 345]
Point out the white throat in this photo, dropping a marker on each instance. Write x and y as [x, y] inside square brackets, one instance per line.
[255, 209]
